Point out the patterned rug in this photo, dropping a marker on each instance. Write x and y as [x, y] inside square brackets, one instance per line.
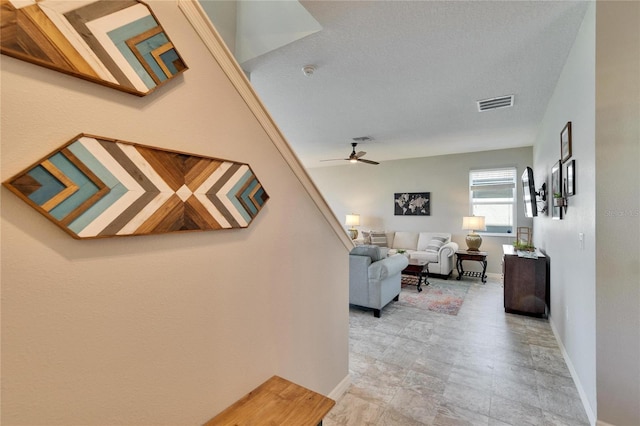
[443, 296]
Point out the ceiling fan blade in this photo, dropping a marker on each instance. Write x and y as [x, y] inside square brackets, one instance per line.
[368, 161]
[354, 157]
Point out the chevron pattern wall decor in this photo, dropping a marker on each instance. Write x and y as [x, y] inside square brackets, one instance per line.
[117, 43]
[95, 187]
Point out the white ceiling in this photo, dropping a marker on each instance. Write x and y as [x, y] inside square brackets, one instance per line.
[409, 73]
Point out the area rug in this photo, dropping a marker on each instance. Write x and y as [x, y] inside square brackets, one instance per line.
[443, 296]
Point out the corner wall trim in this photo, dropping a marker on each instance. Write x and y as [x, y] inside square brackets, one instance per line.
[574, 375]
[213, 41]
[341, 388]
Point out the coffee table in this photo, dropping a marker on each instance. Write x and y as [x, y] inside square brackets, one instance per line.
[419, 268]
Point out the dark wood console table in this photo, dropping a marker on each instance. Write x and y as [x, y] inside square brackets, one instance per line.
[479, 256]
[526, 283]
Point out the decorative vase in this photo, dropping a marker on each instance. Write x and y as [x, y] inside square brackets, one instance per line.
[473, 242]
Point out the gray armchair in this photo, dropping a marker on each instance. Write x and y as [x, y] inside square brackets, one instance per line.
[374, 279]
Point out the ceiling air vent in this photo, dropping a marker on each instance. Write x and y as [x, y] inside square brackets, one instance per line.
[495, 103]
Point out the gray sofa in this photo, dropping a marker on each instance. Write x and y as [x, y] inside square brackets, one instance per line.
[374, 278]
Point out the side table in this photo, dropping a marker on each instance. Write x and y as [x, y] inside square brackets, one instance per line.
[479, 256]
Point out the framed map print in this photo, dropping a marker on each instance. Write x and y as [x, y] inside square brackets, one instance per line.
[412, 204]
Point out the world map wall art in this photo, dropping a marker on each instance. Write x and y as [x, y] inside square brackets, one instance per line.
[95, 187]
[116, 43]
[412, 204]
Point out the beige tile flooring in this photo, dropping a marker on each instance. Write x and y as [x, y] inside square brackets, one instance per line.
[481, 367]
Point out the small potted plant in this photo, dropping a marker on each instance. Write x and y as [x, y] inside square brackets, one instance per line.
[523, 246]
[558, 199]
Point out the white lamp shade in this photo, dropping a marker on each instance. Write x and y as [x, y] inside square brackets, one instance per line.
[473, 223]
[352, 220]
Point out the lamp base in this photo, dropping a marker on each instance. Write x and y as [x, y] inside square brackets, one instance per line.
[473, 242]
[353, 233]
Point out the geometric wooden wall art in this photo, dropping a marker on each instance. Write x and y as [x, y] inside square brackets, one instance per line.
[117, 43]
[94, 187]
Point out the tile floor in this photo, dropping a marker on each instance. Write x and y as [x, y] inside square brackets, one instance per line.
[481, 367]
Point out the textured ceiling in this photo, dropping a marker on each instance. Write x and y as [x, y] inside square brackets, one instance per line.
[409, 73]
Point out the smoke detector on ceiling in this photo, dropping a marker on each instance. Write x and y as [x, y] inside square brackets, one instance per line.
[495, 103]
[308, 70]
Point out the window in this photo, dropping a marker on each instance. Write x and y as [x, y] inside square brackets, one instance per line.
[492, 194]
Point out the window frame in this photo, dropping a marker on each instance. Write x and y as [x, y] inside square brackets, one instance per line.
[514, 203]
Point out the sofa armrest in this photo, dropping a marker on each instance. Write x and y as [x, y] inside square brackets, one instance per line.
[387, 267]
[359, 265]
[448, 250]
[359, 279]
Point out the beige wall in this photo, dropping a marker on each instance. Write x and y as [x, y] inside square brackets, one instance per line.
[368, 190]
[165, 329]
[617, 154]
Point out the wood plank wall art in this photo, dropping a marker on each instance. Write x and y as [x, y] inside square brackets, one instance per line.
[117, 43]
[95, 187]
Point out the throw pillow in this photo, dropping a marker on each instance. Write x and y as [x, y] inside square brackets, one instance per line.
[405, 240]
[378, 238]
[435, 244]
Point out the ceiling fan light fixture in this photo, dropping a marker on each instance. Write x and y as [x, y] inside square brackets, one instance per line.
[362, 139]
[356, 157]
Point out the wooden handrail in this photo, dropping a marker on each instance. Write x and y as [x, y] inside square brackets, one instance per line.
[221, 53]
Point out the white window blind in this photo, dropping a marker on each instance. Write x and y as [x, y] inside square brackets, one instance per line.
[492, 194]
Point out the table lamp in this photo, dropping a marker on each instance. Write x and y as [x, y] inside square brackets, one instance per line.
[353, 220]
[473, 223]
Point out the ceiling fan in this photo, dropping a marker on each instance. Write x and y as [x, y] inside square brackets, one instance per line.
[355, 157]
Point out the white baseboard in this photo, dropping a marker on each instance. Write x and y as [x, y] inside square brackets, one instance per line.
[574, 375]
[601, 423]
[341, 388]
